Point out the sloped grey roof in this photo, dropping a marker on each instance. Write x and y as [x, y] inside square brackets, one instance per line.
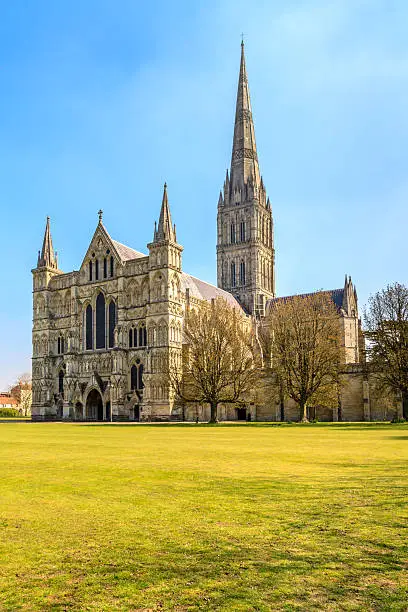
[336, 295]
[204, 291]
[126, 253]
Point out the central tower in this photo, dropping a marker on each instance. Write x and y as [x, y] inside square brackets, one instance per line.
[245, 249]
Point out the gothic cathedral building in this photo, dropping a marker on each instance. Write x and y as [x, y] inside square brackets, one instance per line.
[101, 334]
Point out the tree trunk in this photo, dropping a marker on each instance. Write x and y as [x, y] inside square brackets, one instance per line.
[405, 405]
[303, 412]
[213, 417]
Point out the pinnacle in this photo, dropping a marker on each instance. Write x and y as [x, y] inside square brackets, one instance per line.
[165, 229]
[47, 257]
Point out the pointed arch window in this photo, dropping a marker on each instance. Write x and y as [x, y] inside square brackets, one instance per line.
[232, 233]
[88, 328]
[135, 337]
[130, 338]
[100, 322]
[112, 324]
[233, 277]
[111, 266]
[242, 273]
[105, 268]
[96, 269]
[242, 231]
[90, 270]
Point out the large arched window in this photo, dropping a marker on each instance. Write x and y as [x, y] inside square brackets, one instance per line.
[136, 376]
[100, 322]
[140, 384]
[88, 328]
[233, 277]
[112, 323]
[61, 381]
[133, 377]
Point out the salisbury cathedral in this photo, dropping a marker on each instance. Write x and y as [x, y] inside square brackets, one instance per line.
[102, 333]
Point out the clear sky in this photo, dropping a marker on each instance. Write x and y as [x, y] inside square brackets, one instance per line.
[101, 101]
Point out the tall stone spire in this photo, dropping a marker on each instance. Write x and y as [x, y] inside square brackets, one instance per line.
[165, 229]
[245, 248]
[244, 159]
[47, 258]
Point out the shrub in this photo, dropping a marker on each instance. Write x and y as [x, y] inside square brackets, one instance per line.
[9, 412]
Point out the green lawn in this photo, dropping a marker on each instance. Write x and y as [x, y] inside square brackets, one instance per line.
[249, 517]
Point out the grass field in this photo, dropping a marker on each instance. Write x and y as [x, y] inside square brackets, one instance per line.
[250, 517]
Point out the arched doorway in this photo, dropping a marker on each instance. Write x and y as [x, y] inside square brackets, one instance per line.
[94, 406]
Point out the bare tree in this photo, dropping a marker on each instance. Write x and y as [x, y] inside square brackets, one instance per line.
[218, 358]
[386, 324]
[306, 349]
[22, 392]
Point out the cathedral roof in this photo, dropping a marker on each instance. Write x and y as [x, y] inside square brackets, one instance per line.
[126, 253]
[204, 291]
[336, 295]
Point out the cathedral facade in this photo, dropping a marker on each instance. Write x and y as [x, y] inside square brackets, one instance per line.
[101, 334]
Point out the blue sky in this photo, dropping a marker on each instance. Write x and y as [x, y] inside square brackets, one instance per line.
[102, 101]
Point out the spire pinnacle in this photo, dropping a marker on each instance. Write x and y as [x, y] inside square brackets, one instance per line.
[165, 229]
[244, 160]
[47, 258]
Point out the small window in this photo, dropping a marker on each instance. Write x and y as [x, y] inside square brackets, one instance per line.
[242, 231]
[111, 265]
[59, 345]
[105, 268]
[62, 345]
[90, 270]
[242, 273]
[232, 233]
[96, 269]
[233, 278]
[130, 338]
[135, 337]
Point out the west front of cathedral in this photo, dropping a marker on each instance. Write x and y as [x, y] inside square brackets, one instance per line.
[102, 334]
